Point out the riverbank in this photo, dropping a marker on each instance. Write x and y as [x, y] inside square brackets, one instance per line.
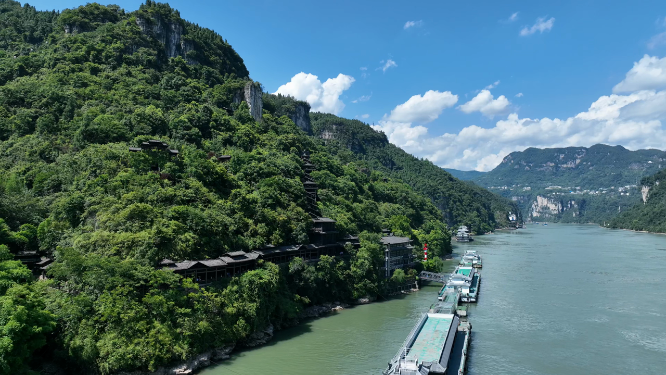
[214, 356]
[257, 339]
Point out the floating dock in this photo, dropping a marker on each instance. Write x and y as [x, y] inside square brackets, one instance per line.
[439, 342]
[472, 279]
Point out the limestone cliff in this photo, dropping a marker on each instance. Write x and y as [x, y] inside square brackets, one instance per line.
[253, 97]
[645, 193]
[545, 208]
[301, 117]
[169, 33]
[252, 94]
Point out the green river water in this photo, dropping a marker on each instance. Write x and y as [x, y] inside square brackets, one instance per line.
[557, 299]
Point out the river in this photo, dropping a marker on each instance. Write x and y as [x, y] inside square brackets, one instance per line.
[557, 299]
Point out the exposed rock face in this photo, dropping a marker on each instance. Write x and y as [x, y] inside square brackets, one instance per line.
[72, 29]
[365, 300]
[253, 97]
[317, 311]
[170, 34]
[545, 207]
[202, 360]
[190, 366]
[259, 337]
[301, 118]
[645, 193]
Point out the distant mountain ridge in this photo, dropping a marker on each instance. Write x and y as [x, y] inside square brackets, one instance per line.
[573, 184]
[594, 167]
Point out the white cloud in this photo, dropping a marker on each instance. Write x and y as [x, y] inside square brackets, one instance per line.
[322, 97]
[633, 120]
[363, 98]
[513, 17]
[409, 24]
[657, 40]
[647, 74]
[424, 108]
[485, 103]
[519, 95]
[492, 85]
[387, 64]
[540, 25]
[365, 116]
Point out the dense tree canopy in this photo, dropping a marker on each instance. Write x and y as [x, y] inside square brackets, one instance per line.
[459, 202]
[649, 215]
[77, 90]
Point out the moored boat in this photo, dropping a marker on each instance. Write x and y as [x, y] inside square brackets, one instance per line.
[464, 235]
[437, 344]
[471, 259]
[467, 281]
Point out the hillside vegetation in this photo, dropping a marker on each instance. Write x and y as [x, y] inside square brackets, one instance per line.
[460, 202]
[464, 175]
[77, 90]
[648, 215]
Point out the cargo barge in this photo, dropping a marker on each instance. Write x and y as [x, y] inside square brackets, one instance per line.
[436, 345]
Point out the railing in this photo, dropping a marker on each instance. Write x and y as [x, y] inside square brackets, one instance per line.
[463, 360]
[433, 276]
[402, 353]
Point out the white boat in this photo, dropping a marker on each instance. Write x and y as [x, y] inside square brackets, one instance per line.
[467, 281]
[463, 234]
[471, 259]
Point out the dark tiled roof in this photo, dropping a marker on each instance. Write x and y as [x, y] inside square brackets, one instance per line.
[278, 249]
[44, 261]
[239, 256]
[236, 253]
[208, 263]
[392, 240]
[323, 220]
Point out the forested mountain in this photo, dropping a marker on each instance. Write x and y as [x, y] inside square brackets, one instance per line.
[464, 175]
[599, 166]
[573, 184]
[650, 213]
[78, 89]
[459, 201]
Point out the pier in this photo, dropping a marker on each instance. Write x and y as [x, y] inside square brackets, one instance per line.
[439, 342]
[432, 276]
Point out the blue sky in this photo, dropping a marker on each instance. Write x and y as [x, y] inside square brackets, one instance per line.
[562, 56]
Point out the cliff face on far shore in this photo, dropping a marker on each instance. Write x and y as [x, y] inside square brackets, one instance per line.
[649, 214]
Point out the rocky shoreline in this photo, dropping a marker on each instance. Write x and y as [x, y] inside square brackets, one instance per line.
[211, 357]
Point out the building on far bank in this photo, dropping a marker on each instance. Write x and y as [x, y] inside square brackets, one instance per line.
[398, 253]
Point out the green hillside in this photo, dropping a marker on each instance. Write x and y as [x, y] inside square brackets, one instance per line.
[648, 215]
[464, 175]
[573, 184]
[460, 202]
[78, 89]
[598, 166]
